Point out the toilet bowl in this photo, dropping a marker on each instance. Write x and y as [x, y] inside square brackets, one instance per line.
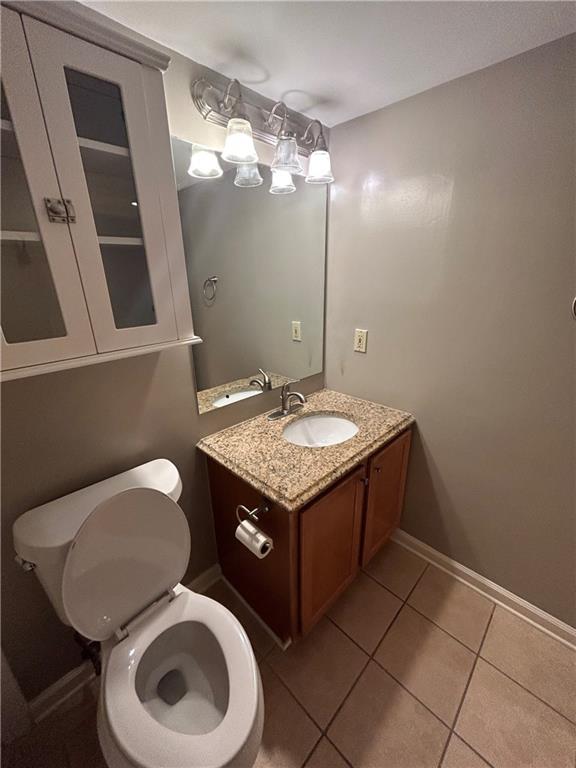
[184, 692]
[180, 686]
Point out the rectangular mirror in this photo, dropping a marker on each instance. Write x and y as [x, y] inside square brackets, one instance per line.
[256, 270]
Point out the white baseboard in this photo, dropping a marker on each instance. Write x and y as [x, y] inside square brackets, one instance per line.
[205, 580]
[280, 643]
[531, 613]
[57, 693]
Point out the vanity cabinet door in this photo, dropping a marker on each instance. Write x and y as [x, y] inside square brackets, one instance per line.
[329, 547]
[95, 109]
[44, 314]
[386, 483]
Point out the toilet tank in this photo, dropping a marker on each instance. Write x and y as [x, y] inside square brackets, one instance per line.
[44, 534]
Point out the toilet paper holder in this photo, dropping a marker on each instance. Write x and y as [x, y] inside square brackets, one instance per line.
[251, 514]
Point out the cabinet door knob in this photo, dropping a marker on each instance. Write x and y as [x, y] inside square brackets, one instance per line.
[377, 469]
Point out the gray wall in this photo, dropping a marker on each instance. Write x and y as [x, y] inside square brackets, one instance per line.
[451, 239]
[268, 252]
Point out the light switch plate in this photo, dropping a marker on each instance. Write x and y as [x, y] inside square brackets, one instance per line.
[360, 340]
[296, 330]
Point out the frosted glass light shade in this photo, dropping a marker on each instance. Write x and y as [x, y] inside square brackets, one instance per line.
[286, 156]
[204, 164]
[248, 176]
[319, 168]
[239, 145]
[282, 183]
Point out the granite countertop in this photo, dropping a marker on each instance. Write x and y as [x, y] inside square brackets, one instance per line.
[292, 475]
[206, 397]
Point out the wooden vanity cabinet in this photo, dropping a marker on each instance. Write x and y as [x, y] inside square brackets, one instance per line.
[270, 585]
[329, 546]
[319, 548]
[386, 483]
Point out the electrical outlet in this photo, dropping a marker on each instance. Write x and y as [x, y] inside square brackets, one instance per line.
[296, 330]
[360, 340]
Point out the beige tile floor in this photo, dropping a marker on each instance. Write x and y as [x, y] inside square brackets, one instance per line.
[410, 669]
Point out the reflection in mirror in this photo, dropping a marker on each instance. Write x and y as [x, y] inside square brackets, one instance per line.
[255, 265]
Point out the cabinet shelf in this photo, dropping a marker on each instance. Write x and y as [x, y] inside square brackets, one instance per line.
[105, 240]
[19, 235]
[101, 146]
[105, 159]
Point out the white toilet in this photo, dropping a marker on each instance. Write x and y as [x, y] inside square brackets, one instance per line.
[180, 685]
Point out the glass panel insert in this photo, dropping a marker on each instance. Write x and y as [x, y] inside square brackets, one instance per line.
[97, 108]
[16, 204]
[101, 129]
[30, 309]
[128, 285]
[103, 140]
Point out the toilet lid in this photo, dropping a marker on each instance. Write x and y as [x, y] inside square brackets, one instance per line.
[129, 551]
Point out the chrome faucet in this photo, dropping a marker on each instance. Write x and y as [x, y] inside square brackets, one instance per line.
[264, 383]
[286, 398]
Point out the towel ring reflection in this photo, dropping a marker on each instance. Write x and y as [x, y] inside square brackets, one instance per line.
[209, 288]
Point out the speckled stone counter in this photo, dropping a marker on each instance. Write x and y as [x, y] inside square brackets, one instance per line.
[206, 397]
[292, 475]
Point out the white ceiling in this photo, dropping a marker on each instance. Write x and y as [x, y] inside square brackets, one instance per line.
[338, 60]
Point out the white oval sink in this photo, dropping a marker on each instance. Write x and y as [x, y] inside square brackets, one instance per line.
[319, 429]
[234, 397]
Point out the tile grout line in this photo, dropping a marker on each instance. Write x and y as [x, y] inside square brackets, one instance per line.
[463, 644]
[296, 699]
[324, 731]
[311, 752]
[370, 656]
[527, 690]
[398, 682]
[405, 601]
[329, 740]
[471, 675]
[380, 584]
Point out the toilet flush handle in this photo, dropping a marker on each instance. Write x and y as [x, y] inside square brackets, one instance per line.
[26, 565]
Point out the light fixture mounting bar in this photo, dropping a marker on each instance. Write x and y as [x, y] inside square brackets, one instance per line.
[216, 105]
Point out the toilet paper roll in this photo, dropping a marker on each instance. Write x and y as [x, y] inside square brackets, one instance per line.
[254, 540]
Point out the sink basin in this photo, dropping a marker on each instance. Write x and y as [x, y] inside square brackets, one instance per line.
[319, 429]
[234, 397]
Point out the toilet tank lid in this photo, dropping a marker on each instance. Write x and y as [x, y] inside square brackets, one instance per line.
[56, 523]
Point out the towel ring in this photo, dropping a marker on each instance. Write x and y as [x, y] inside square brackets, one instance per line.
[209, 288]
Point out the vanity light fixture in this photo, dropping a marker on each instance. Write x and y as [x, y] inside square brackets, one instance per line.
[239, 145]
[286, 155]
[282, 183]
[204, 164]
[319, 165]
[248, 175]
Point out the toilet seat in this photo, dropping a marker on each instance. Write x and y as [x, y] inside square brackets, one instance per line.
[133, 548]
[146, 742]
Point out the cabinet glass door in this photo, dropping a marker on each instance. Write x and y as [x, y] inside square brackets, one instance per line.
[97, 122]
[44, 316]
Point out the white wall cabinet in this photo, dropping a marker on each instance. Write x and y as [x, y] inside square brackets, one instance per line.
[106, 280]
